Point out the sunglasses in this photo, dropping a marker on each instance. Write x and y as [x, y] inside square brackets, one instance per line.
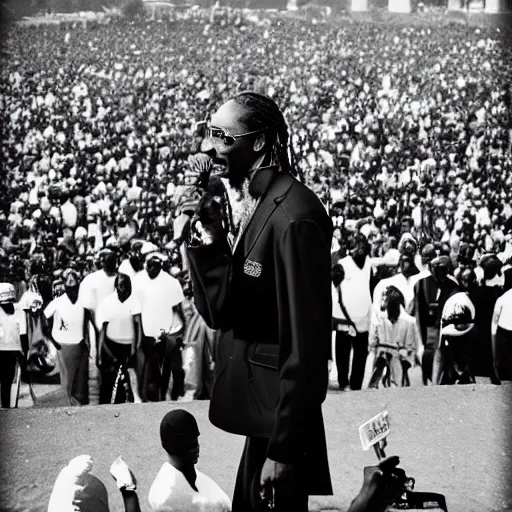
[206, 130]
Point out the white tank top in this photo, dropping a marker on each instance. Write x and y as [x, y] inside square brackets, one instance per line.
[10, 330]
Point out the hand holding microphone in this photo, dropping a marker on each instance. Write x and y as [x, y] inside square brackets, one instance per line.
[382, 485]
[211, 219]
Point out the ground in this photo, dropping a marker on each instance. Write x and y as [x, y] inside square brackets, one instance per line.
[454, 440]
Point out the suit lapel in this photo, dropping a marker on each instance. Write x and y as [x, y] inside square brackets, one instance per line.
[277, 186]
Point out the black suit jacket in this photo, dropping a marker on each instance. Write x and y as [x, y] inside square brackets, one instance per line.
[425, 292]
[273, 291]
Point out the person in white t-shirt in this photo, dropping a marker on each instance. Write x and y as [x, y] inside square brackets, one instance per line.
[13, 342]
[178, 486]
[119, 317]
[163, 322]
[67, 317]
[98, 285]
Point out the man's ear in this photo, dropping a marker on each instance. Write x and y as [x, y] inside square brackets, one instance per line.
[259, 143]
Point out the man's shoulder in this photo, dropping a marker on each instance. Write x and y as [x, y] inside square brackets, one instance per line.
[87, 279]
[301, 203]
[213, 491]
[345, 261]
[140, 277]
[125, 265]
[133, 302]
[428, 278]
[387, 281]
[61, 299]
[162, 486]
[109, 300]
[94, 278]
[166, 278]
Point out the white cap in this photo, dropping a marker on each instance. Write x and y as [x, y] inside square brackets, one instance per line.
[457, 305]
[148, 247]
[7, 293]
[150, 250]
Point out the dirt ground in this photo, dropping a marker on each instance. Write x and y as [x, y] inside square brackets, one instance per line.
[453, 440]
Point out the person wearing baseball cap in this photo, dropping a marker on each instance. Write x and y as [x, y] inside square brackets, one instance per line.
[13, 344]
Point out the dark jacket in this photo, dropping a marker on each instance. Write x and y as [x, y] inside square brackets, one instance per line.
[271, 300]
[482, 357]
[425, 297]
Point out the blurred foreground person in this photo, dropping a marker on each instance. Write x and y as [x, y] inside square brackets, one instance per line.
[119, 317]
[269, 293]
[387, 488]
[182, 488]
[67, 318]
[13, 345]
[77, 490]
[178, 486]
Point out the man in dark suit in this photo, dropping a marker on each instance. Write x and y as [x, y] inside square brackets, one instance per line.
[270, 296]
[430, 296]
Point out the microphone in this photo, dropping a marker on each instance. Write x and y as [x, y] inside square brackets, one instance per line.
[200, 168]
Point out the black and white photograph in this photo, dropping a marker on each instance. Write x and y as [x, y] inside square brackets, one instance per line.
[255, 255]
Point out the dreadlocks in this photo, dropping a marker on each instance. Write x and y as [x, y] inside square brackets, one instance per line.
[263, 112]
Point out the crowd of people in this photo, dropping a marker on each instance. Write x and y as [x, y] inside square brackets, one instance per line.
[403, 132]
